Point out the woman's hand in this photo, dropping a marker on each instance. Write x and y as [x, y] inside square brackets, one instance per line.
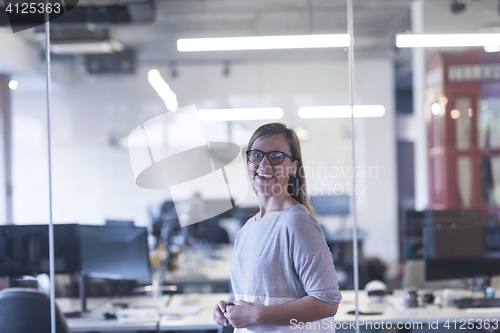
[219, 311]
[242, 314]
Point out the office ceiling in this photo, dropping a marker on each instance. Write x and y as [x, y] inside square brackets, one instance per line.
[376, 22]
[153, 26]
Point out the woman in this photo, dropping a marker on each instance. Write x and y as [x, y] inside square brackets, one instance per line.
[282, 272]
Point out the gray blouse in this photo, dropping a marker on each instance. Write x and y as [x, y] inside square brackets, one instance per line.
[281, 259]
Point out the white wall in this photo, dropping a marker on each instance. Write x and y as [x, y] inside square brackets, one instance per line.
[378, 208]
[92, 180]
[17, 58]
[17, 55]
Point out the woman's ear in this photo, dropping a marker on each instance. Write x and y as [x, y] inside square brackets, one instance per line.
[294, 168]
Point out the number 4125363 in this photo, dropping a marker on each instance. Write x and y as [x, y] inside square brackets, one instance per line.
[33, 8]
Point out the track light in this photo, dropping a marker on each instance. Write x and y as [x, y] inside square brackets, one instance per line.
[457, 7]
[173, 70]
[226, 68]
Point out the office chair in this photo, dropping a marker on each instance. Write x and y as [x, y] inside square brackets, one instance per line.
[24, 310]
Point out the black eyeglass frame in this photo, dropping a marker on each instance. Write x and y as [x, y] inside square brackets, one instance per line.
[264, 154]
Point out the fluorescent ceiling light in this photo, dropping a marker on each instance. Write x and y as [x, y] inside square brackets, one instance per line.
[86, 46]
[341, 111]
[492, 48]
[163, 89]
[447, 40]
[240, 114]
[262, 43]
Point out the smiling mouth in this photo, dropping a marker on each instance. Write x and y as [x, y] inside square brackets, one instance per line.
[264, 176]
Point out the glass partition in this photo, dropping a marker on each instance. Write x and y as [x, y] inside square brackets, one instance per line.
[132, 107]
[379, 71]
[118, 83]
[454, 90]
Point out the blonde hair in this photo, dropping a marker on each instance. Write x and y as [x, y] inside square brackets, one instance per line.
[297, 184]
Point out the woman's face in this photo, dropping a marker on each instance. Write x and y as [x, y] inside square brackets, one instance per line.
[265, 177]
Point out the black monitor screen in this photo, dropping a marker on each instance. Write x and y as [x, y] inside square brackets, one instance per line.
[415, 221]
[461, 252]
[454, 243]
[442, 269]
[24, 249]
[115, 252]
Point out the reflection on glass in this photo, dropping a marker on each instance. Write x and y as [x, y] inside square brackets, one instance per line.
[489, 123]
[464, 181]
[462, 115]
[495, 191]
[436, 131]
[437, 179]
[490, 181]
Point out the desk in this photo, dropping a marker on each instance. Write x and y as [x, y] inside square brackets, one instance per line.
[393, 313]
[441, 315]
[91, 322]
[201, 321]
[389, 313]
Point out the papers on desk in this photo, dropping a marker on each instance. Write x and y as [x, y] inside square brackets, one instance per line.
[368, 309]
[400, 306]
[181, 310]
[134, 315]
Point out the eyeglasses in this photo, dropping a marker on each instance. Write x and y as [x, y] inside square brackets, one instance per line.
[274, 157]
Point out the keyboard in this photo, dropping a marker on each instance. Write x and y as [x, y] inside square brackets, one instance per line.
[482, 303]
[482, 310]
[73, 314]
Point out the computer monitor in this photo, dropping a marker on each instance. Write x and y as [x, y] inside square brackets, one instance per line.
[414, 222]
[492, 240]
[243, 214]
[459, 252]
[443, 269]
[413, 240]
[114, 252]
[120, 223]
[24, 249]
[330, 204]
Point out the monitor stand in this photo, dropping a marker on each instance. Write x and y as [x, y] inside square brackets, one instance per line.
[83, 302]
[83, 299]
[83, 293]
[8, 281]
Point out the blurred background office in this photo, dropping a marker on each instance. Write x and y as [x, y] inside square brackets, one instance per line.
[413, 150]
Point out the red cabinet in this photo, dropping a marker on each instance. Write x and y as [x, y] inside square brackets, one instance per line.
[462, 109]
